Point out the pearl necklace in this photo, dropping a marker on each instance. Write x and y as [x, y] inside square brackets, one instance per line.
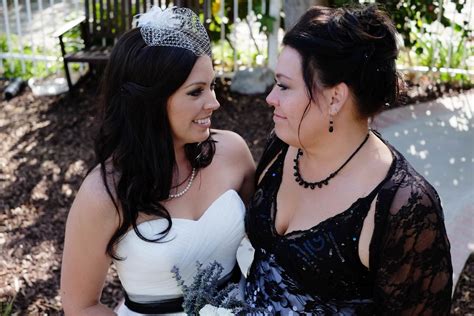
[190, 182]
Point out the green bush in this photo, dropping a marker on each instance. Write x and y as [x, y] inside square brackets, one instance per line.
[424, 44]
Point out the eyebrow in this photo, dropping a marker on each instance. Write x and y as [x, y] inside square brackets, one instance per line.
[196, 83]
[279, 75]
[200, 83]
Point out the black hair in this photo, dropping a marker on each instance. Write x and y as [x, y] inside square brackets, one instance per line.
[354, 45]
[134, 144]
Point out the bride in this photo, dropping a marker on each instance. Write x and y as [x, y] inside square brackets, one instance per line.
[167, 190]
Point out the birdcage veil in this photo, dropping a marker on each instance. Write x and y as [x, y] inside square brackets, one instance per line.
[175, 27]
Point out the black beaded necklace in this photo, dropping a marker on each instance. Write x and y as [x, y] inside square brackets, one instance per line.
[299, 179]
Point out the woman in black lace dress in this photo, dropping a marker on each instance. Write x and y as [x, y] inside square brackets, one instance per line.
[341, 223]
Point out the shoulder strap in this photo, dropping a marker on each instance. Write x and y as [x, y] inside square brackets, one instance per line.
[273, 147]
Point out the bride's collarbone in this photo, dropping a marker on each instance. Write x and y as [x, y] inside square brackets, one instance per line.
[194, 205]
[210, 184]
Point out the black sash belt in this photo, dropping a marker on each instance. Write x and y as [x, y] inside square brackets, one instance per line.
[174, 305]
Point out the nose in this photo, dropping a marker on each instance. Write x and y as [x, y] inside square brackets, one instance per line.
[271, 98]
[212, 104]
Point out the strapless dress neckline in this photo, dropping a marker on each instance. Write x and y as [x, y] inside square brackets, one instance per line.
[203, 215]
[145, 271]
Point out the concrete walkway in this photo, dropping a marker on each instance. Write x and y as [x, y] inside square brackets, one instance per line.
[437, 138]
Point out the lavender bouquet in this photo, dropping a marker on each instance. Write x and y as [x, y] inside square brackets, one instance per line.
[204, 297]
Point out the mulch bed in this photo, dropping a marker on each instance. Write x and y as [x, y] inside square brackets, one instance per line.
[45, 151]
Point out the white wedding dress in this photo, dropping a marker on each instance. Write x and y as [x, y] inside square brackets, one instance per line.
[145, 272]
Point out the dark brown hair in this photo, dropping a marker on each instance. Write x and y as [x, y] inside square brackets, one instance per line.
[135, 140]
[357, 46]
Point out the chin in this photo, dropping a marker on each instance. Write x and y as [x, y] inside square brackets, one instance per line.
[285, 136]
[192, 138]
[201, 137]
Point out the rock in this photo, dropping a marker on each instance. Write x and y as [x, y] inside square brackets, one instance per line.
[252, 81]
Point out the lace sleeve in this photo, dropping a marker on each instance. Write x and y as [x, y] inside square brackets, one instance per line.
[414, 272]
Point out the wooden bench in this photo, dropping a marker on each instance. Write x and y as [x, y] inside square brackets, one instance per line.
[102, 24]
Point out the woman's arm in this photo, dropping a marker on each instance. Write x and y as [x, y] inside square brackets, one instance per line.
[414, 271]
[91, 222]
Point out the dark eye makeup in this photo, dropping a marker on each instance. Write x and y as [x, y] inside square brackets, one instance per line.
[281, 86]
[198, 90]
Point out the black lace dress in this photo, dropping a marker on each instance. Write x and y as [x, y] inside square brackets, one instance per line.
[318, 271]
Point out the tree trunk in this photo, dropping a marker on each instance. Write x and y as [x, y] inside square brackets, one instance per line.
[294, 9]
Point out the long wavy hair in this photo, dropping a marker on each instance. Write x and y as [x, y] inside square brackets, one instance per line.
[134, 143]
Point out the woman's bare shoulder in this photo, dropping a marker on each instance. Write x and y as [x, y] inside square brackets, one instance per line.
[230, 144]
[93, 200]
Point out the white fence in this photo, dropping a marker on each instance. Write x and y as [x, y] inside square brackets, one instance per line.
[27, 28]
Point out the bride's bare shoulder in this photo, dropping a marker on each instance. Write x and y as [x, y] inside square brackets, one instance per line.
[94, 200]
[228, 142]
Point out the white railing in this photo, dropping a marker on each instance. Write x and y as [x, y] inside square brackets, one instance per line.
[250, 46]
[27, 28]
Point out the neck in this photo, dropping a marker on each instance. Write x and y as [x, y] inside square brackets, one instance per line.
[183, 167]
[331, 150]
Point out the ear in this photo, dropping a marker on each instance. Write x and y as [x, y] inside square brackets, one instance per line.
[339, 95]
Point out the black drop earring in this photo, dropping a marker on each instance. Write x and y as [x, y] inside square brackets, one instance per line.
[331, 124]
[331, 118]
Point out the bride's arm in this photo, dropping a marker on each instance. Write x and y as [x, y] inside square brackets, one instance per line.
[91, 222]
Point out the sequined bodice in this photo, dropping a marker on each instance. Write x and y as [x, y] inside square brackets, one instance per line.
[318, 271]
[303, 269]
